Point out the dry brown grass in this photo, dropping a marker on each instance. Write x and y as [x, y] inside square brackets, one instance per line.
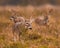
[40, 36]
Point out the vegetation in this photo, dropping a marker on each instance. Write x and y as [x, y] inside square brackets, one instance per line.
[39, 36]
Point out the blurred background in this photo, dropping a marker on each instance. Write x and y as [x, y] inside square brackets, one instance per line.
[29, 2]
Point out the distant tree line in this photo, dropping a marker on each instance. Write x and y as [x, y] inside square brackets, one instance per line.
[27, 2]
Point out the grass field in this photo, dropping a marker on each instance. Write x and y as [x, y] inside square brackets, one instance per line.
[39, 36]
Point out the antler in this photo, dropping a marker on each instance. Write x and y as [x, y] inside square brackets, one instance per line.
[12, 11]
[31, 19]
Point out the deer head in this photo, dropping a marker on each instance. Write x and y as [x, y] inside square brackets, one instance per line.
[28, 23]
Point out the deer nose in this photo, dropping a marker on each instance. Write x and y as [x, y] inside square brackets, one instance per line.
[30, 28]
[11, 18]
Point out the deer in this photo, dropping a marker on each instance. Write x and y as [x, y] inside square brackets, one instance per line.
[42, 20]
[19, 20]
[16, 22]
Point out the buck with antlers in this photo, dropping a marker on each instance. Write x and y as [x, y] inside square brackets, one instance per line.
[18, 20]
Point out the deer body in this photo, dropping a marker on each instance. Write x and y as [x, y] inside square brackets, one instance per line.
[18, 21]
[42, 20]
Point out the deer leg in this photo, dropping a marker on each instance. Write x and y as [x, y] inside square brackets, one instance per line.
[18, 32]
[15, 30]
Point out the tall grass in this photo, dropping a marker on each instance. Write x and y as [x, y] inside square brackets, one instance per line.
[39, 37]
